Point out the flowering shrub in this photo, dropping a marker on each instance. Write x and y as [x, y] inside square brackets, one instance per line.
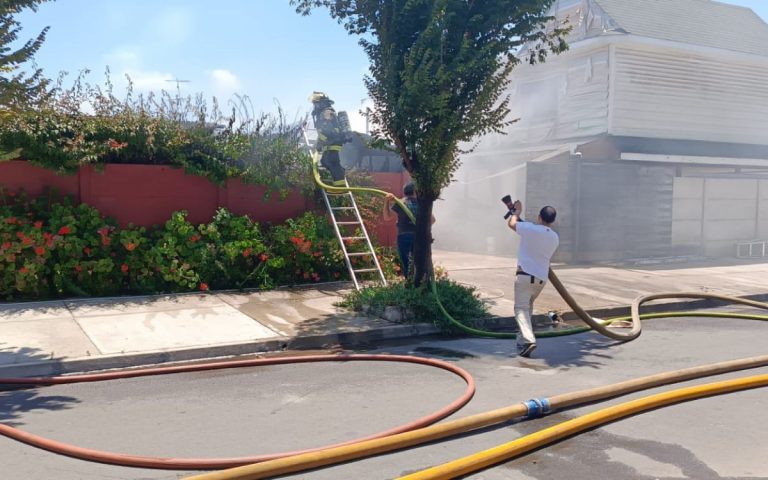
[51, 248]
[310, 249]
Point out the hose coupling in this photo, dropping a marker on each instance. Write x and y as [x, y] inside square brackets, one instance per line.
[537, 407]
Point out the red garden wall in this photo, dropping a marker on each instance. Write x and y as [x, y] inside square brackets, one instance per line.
[147, 194]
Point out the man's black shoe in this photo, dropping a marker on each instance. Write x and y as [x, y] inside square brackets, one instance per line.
[526, 350]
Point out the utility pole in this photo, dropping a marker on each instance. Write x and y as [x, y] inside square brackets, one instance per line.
[366, 113]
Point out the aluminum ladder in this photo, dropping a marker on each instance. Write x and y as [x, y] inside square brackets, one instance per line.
[344, 203]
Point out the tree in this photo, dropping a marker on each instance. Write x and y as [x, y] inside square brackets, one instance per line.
[439, 70]
[17, 87]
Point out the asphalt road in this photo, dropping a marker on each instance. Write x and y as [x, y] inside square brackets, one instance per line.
[276, 408]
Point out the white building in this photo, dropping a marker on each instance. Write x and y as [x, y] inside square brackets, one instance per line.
[649, 136]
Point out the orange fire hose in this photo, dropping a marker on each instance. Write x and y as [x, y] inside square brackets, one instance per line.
[217, 463]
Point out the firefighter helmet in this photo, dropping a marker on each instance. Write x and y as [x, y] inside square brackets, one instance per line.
[320, 97]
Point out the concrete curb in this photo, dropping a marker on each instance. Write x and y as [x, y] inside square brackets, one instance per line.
[137, 359]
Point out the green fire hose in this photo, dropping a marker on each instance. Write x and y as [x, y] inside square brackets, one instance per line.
[601, 326]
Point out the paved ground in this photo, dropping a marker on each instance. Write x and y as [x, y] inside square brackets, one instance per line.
[264, 410]
[79, 335]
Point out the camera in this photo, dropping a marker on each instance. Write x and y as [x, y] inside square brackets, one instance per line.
[507, 199]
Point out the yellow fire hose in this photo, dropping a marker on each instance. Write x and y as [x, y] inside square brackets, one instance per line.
[486, 458]
[449, 428]
[535, 407]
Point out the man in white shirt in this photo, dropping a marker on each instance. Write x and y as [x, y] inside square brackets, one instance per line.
[538, 243]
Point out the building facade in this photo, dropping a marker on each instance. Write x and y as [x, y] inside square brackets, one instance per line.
[649, 136]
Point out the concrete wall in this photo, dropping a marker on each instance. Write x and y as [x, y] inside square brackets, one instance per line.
[712, 214]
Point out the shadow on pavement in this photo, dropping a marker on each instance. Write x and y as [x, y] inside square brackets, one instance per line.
[15, 400]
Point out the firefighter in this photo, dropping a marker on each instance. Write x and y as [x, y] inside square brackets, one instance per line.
[330, 136]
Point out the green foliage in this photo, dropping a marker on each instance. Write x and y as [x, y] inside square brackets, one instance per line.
[52, 248]
[86, 124]
[17, 89]
[462, 302]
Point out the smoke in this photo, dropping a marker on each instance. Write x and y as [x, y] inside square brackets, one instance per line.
[470, 214]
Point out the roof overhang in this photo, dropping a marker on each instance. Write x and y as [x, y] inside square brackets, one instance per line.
[694, 160]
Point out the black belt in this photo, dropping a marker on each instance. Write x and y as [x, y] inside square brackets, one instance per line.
[520, 271]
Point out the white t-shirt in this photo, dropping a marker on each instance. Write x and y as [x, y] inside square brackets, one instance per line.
[537, 245]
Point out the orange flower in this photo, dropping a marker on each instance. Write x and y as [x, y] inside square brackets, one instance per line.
[10, 220]
[203, 287]
[124, 268]
[23, 270]
[247, 252]
[114, 144]
[106, 241]
[38, 224]
[194, 238]
[87, 250]
[130, 246]
[64, 230]
[26, 241]
[6, 245]
[263, 257]
[78, 268]
[40, 251]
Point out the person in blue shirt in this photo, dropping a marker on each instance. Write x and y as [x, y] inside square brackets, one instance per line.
[406, 229]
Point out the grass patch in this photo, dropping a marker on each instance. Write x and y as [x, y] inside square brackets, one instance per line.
[419, 304]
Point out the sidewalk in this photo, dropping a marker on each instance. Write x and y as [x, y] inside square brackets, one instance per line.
[47, 338]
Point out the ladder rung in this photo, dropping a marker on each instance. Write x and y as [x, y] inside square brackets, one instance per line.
[347, 223]
[342, 208]
[364, 270]
[359, 254]
[353, 238]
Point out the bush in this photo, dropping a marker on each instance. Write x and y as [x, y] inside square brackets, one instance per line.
[51, 248]
[460, 301]
[87, 124]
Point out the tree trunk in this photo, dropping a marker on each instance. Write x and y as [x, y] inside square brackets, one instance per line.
[422, 246]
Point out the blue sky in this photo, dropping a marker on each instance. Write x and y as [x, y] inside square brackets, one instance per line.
[260, 48]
